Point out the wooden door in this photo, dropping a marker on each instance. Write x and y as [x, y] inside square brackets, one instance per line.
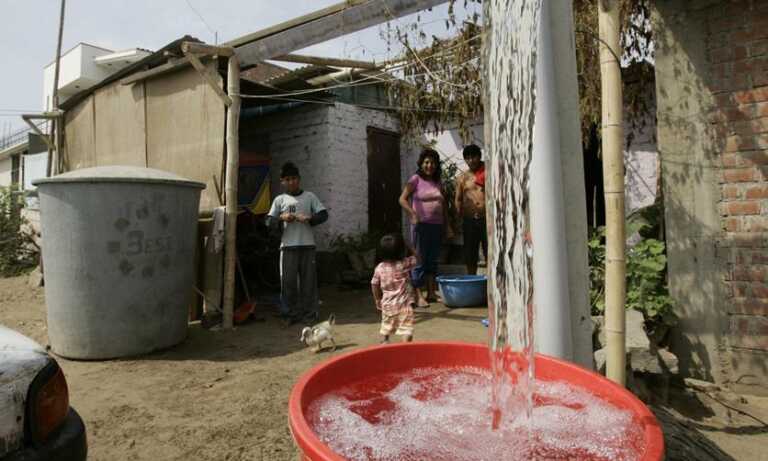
[383, 181]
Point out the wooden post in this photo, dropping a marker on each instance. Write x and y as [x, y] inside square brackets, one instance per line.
[230, 189]
[56, 124]
[613, 180]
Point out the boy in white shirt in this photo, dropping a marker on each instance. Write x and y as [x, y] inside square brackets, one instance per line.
[299, 211]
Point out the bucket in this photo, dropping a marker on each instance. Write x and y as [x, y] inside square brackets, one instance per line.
[463, 290]
[374, 361]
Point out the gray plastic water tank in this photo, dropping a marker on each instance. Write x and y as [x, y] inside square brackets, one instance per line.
[118, 255]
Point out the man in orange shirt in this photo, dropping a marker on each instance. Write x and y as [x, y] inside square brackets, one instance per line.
[470, 204]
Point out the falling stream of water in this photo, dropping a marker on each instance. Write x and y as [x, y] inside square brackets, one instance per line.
[447, 413]
[509, 80]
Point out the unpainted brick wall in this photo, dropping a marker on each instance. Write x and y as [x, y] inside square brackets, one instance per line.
[738, 57]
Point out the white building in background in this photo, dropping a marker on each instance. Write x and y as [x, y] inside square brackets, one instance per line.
[23, 159]
[83, 66]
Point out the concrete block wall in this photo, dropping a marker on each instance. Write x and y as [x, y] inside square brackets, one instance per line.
[299, 135]
[738, 61]
[329, 145]
[347, 164]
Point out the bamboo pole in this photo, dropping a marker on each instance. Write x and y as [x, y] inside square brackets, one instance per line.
[55, 124]
[613, 180]
[230, 189]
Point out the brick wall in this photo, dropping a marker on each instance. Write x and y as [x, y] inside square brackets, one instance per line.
[737, 50]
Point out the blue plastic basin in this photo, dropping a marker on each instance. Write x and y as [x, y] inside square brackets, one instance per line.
[463, 290]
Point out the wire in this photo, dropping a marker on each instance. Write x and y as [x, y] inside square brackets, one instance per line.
[363, 81]
[210, 29]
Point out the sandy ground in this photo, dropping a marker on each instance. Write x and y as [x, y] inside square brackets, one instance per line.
[223, 395]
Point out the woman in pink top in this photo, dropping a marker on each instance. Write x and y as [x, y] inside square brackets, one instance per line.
[423, 200]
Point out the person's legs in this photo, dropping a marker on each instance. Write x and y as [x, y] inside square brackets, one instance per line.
[388, 326]
[471, 244]
[432, 239]
[418, 278]
[405, 321]
[308, 289]
[289, 281]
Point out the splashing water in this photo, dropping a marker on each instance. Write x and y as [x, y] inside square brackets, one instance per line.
[509, 79]
[468, 413]
[442, 414]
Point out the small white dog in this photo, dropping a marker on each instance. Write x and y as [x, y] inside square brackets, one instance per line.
[315, 336]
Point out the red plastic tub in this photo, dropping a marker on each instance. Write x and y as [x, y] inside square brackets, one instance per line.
[371, 361]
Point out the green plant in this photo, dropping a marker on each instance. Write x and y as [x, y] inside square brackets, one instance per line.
[18, 251]
[647, 290]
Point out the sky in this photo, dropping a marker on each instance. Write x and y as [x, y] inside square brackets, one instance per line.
[29, 31]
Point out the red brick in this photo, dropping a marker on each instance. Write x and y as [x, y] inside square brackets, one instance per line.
[754, 126]
[758, 48]
[740, 52]
[750, 96]
[757, 157]
[731, 192]
[755, 224]
[738, 175]
[749, 331]
[732, 224]
[742, 207]
[749, 306]
[741, 112]
[724, 100]
[741, 289]
[750, 273]
[761, 173]
[746, 140]
[759, 290]
[757, 192]
[760, 79]
[743, 67]
[745, 240]
[720, 55]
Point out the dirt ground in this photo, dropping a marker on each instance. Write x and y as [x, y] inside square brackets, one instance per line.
[224, 395]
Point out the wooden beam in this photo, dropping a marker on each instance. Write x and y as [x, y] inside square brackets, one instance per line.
[277, 28]
[230, 189]
[320, 61]
[346, 20]
[203, 49]
[203, 71]
[170, 66]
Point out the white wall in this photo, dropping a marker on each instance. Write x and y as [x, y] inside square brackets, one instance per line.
[77, 72]
[329, 145]
[301, 136]
[348, 165]
[5, 172]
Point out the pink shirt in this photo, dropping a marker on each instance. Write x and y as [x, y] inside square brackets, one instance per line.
[427, 200]
[394, 278]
